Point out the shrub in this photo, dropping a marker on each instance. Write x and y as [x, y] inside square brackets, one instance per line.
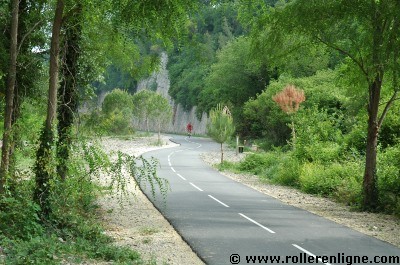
[342, 180]
[319, 179]
[281, 168]
[18, 217]
[287, 170]
[116, 122]
[349, 190]
[389, 179]
[318, 137]
[324, 152]
[257, 163]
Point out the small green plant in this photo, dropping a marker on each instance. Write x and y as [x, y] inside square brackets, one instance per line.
[220, 126]
[147, 231]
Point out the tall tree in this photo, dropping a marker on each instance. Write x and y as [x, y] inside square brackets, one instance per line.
[367, 32]
[68, 92]
[45, 155]
[12, 73]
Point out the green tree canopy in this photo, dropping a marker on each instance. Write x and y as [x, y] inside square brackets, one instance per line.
[118, 99]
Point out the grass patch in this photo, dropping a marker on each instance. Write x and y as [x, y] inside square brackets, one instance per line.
[147, 231]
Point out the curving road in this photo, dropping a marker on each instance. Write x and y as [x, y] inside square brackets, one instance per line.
[226, 222]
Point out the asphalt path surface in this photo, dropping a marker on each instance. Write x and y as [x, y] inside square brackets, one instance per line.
[226, 222]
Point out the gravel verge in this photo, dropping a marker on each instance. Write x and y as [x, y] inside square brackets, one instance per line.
[138, 224]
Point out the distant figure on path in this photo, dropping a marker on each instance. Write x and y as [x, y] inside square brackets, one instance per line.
[189, 128]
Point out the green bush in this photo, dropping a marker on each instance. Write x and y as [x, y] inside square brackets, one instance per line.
[37, 250]
[389, 179]
[349, 191]
[318, 136]
[287, 170]
[18, 217]
[337, 179]
[281, 168]
[257, 163]
[318, 179]
[323, 152]
[116, 122]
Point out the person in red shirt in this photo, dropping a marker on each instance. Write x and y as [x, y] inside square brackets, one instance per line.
[189, 128]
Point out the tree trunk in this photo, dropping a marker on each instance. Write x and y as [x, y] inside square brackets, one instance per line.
[12, 73]
[44, 157]
[370, 190]
[293, 135]
[68, 95]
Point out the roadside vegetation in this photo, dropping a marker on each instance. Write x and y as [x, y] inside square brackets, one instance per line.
[54, 54]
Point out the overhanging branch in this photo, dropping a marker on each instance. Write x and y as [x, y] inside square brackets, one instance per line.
[354, 59]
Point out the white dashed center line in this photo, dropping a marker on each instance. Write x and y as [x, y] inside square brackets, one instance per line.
[195, 186]
[309, 253]
[179, 175]
[218, 201]
[255, 222]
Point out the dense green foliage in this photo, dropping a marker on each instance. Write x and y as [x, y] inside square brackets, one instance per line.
[209, 31]
[330, 142]
[52, 218]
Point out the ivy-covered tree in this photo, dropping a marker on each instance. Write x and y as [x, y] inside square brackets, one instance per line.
[12, 73]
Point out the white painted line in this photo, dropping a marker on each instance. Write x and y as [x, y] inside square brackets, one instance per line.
[309, 253]
[254, 222]
[173, 169]
[218, 201]
[169, 159]
[195, 186]
[179, 175]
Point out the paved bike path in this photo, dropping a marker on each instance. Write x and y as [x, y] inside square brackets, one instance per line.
[223, 220]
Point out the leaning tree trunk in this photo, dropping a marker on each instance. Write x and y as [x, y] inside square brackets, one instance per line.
[12, 73]
[370, 189]
[68, 94]
[44, 157]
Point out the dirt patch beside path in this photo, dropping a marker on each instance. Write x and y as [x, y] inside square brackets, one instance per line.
[139, 225]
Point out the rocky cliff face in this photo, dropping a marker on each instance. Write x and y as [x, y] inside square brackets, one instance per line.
[160, 81]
